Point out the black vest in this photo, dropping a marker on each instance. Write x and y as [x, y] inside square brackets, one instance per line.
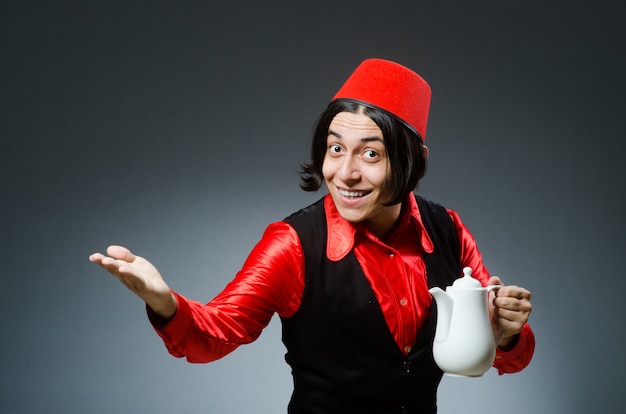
[342, 354]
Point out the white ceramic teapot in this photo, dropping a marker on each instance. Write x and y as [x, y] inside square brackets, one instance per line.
[465, 343]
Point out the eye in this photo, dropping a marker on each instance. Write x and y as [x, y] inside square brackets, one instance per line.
[371, 155]
[334, 148]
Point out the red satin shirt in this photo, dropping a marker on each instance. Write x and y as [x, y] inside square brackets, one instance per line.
[272, 281]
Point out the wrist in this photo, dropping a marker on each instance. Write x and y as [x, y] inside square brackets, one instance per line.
[164, 306]
[507, 343]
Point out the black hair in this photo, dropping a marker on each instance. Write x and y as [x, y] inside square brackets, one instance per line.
[404, 147]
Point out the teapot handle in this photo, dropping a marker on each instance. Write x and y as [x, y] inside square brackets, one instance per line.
[493, 287]
[497, 332]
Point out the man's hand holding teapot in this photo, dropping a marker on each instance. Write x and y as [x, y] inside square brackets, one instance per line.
[509, 308]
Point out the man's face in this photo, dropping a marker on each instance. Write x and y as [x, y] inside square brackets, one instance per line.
[355, 169]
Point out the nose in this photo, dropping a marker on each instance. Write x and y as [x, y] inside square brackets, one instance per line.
[349, 169]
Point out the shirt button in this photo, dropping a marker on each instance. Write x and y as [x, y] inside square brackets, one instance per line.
[407, 349]
[391, 254]
[403, 302]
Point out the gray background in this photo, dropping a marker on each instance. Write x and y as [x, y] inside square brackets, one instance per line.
[176, 128]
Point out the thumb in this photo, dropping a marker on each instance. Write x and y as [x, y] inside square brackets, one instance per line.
[120, 253]
[494, 280]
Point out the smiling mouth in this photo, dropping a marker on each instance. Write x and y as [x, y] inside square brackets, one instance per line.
[353, 194]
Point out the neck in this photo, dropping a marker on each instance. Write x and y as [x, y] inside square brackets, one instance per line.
[383, 224]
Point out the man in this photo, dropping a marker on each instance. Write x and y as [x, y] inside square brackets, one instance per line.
[348, 275]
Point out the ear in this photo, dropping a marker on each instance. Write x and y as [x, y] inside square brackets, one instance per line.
[425, 152]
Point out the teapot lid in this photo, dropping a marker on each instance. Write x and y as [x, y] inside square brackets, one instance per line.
[467, 281]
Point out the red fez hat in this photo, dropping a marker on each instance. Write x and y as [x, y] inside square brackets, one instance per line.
[393, 88]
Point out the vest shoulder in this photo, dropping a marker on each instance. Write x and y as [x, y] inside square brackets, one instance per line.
[430, 209]
[309, 213]
[426, 203]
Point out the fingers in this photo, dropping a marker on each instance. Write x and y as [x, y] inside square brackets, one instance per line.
[512, 309]
[509, 307]
[115, 253]
[512, 298]
[514, 292]
[113, 266]
[96, 258]
[120, 253]
[117, 262]
[510, 322]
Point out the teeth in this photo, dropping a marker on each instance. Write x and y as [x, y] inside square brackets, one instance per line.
[352, 193]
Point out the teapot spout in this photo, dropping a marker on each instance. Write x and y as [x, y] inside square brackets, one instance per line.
[444, 313]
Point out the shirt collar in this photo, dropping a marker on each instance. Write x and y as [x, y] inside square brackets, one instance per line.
[340, 238]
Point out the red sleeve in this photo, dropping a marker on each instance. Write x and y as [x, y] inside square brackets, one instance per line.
[271, 281]
[517, 358]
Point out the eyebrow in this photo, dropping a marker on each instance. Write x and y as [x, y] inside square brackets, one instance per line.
[365, 139]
